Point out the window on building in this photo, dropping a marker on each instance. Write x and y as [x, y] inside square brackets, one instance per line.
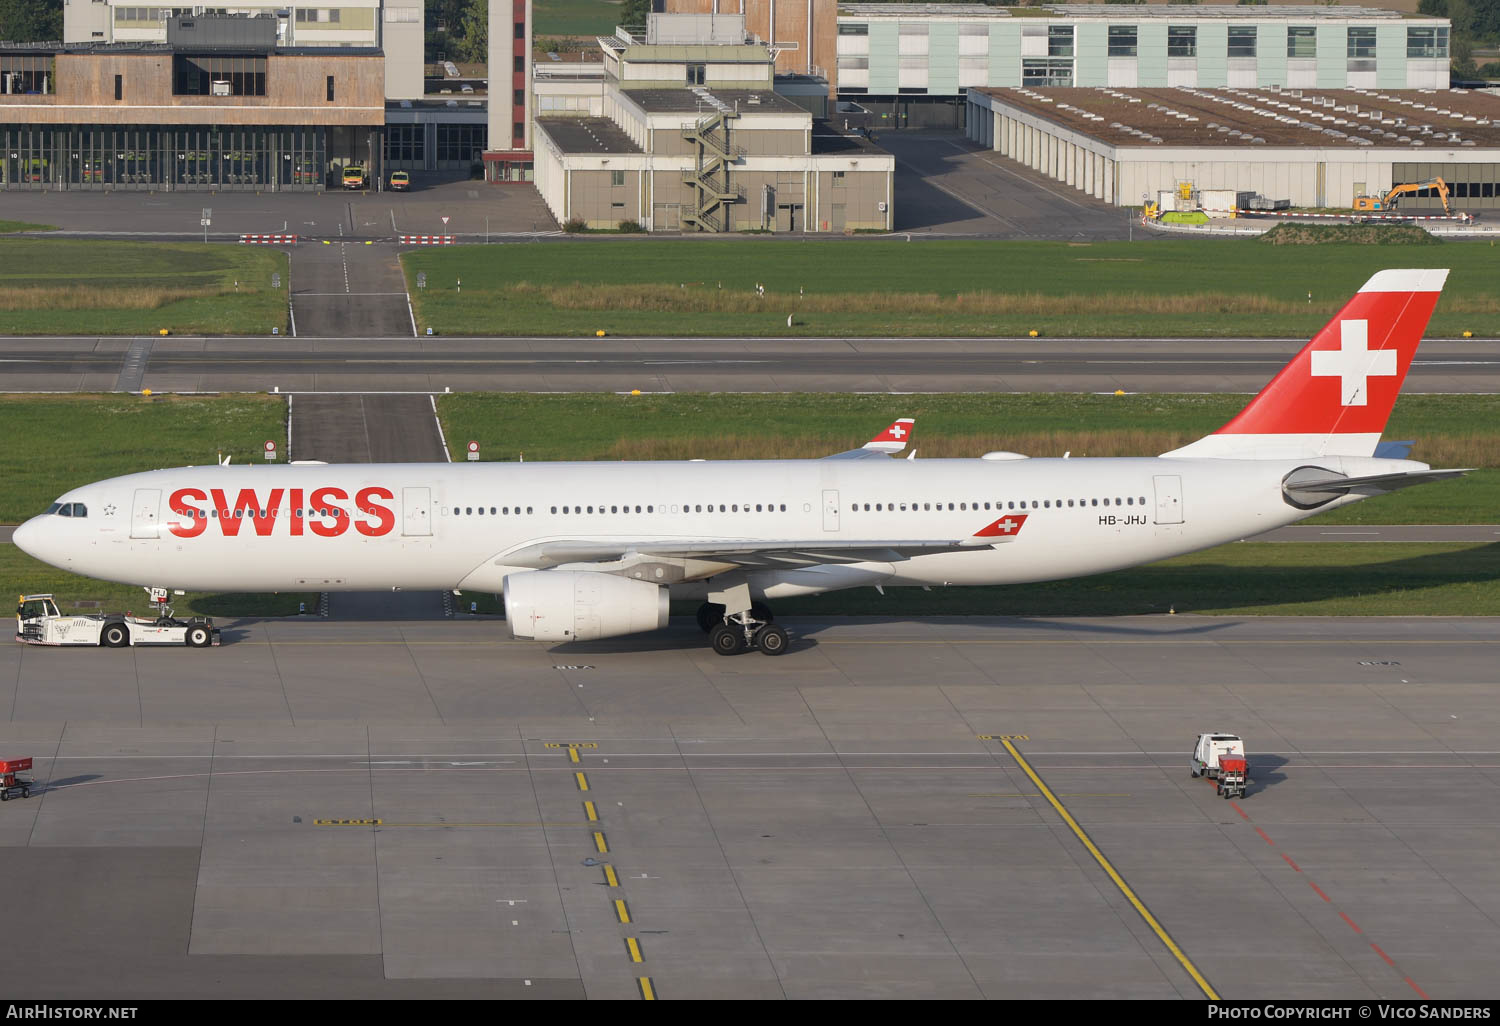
[853, 30]
[518, 98]
[1242, 40]
[218, 76]
[854, 63]
[1037, 72]
[518, 134]
[1361, 42]
[26, 74]
[617, 178]
[330, 88]
[1427, 42]
[697, 74]
[119, 87]
[838, 179]
[460, 143]
[1059, 40]
[520, 30]
[1122, 40]
[1182, 40]
[405, 144]
[519, 64]
[1301, 41]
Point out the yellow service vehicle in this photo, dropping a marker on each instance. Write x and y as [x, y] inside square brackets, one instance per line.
[354, 176]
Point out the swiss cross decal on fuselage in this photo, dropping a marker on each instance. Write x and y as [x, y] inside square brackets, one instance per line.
[1353, 363]
[318, 511]
[1007, 526]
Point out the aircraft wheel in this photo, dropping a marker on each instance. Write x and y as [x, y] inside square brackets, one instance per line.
[771, 640]
[710, 615]
[116, 635]
[198, 637]
[728, 639]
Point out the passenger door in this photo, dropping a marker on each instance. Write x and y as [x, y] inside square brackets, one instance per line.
[830, 509]
[416, 512]
[1168, 498]
[145, 513]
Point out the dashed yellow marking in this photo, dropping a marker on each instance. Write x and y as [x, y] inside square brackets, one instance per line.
[1004, 737]
[570, 744]
[622, 910]
[573, 755]
[634, 947]
[609, 876]
[599, 843]
[347, 822]
[648, 992]
[591, 812]
[1119, 881]
[583, 781]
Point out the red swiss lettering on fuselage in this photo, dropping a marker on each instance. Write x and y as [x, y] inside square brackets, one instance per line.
[326, 515]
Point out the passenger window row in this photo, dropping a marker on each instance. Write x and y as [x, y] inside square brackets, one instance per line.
[495, 511]
[918, 507]
[709, 507]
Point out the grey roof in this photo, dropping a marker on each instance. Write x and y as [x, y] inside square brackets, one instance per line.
[587, 135]
[1407, 119]
[1130, 12]
[687, 101]
[826, 140]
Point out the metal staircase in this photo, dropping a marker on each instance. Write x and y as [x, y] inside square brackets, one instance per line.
[709, 178]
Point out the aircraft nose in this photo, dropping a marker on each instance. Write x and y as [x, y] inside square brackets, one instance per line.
[25, 537]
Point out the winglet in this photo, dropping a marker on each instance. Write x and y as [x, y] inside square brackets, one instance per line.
[1003, 530]
[893, 438]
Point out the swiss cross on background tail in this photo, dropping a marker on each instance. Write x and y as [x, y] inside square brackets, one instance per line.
[1335, 396]
[893, 438]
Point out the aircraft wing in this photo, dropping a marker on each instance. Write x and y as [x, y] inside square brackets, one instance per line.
[754, 552]
[732, 552]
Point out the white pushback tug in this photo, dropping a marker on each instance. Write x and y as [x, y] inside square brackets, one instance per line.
[40, 622]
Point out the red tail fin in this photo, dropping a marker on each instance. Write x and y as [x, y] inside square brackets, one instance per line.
[1336, 394]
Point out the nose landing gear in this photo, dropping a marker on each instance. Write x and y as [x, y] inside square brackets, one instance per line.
[733, 634]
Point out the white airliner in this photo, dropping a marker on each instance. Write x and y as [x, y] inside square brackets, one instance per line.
[594, 550]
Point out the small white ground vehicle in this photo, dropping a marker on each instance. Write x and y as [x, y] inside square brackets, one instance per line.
[38, 622]
[1211, 751]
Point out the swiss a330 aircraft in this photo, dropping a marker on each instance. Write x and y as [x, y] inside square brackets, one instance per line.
[594, 550]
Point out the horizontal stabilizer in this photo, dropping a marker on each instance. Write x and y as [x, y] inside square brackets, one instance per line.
[1312, 486]
[1394, 450]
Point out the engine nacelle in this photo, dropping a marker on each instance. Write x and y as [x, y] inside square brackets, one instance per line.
[562, 605]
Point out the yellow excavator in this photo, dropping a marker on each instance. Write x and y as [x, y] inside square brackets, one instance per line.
[1374, 204]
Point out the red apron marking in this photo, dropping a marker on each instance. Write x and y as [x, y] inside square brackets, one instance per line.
[1263, 836]
[1353, 927]
[1289, 862]
[1320, 892]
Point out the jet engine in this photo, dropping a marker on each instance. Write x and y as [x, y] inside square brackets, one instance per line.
[562, 605]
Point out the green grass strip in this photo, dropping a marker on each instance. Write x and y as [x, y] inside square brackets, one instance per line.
[886, 286]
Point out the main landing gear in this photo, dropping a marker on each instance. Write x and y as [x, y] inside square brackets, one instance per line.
[732, 634]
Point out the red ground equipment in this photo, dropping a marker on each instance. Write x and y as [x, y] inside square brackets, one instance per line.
[15, 782]
[1232, 772]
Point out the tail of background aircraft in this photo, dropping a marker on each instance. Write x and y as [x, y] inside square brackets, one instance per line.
[1335, 396]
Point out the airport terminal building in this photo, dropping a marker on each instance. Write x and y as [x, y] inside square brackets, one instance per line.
[217, 105]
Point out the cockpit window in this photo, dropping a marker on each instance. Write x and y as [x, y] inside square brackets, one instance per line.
[55, 507]
[69, 509]
[80, 510]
